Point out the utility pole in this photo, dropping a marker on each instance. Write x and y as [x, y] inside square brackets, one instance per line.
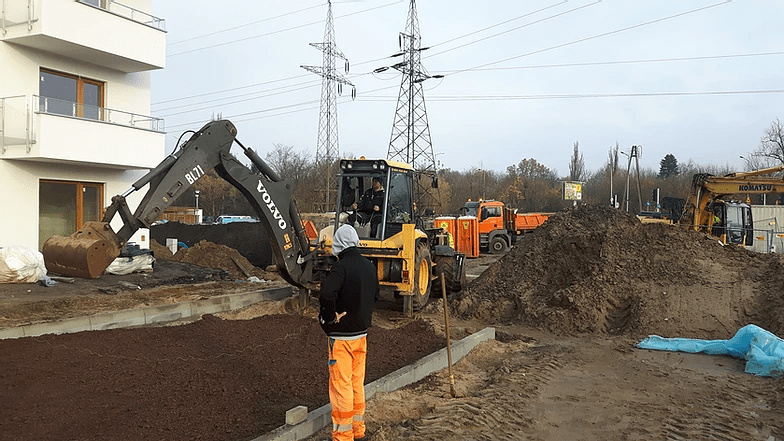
[635, 153]
[327, 149]
[410, 140]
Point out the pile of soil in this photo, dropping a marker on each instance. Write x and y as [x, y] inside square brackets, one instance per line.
[597, 269]
[212, 379]
[211, 255]
[249, 238]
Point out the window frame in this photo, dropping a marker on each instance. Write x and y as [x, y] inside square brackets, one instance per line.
[80, 196]
[80, 82]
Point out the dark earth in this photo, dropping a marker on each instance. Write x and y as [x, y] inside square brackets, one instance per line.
[212, 379]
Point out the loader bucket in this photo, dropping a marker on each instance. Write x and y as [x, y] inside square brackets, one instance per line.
[86, 253]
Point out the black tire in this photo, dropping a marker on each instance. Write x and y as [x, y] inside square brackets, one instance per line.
[461, 280]
[444, 265]
[497, 245]
[423, 265]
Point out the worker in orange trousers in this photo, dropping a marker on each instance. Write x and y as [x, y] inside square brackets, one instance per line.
[351, 287]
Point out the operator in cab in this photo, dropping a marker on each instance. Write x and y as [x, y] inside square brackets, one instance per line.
[371, 205]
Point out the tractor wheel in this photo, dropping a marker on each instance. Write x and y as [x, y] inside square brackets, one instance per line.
[461, 280]
[444, 265]
[497, 245]
[422, 276]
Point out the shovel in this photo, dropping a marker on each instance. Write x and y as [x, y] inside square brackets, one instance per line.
[448, 343]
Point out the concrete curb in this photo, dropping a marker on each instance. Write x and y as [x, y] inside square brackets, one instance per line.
[151, 315]
[321, 417]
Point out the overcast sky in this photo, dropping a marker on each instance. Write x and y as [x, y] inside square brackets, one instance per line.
[699, 79]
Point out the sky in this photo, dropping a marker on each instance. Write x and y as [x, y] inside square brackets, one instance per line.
[699, 79]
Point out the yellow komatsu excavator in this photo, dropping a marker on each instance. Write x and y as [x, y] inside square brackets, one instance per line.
[713, 206]
[409, 258]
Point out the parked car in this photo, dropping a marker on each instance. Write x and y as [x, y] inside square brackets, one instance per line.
[227, 219]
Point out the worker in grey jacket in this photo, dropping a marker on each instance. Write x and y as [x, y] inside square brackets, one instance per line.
[347, 298]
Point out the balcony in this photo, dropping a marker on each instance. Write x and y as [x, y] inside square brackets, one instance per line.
[101, 32]
[37, 128]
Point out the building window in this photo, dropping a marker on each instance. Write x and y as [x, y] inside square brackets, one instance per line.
[70, 95]
[97, 3]
[63, 207]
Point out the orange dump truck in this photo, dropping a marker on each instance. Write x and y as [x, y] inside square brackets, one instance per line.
[499, 226]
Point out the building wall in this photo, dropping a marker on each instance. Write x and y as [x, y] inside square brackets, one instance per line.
[19, 191]
[63, 38]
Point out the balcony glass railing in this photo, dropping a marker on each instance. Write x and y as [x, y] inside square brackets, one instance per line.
[78, 110]
[127, 12]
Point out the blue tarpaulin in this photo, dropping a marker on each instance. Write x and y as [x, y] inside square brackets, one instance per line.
[763, 351]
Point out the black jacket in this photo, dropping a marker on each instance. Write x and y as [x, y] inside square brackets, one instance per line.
[351, 287]
[370, 199]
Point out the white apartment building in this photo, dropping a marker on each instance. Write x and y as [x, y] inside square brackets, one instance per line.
[75, 128]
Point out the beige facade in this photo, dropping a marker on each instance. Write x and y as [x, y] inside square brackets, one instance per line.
[75, 127]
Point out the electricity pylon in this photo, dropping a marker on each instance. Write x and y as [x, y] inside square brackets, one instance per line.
[410, 141]
[327, 148]
[635, 154]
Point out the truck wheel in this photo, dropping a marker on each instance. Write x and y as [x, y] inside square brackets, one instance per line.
[444, 265]
[497, 245]
[422, 277]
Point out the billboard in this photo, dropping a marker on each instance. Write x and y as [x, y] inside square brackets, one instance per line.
[573, 191]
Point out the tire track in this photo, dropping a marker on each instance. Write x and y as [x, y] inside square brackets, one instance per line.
[731, 410]
[497, 409]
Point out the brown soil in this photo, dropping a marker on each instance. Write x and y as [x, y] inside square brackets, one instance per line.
[599, 270]
[212, 379]
[569, 304]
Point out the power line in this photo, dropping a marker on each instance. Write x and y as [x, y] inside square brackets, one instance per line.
[278, 31]
[516, 28]
[658, 20]
[467, 98]
[244, 25]
[256, 95]
[608, 63]
[229, 90]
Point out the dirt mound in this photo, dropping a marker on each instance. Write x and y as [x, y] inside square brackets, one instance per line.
[598, 269]
[212, 255]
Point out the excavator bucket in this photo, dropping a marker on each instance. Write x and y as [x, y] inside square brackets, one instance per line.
[86, 253]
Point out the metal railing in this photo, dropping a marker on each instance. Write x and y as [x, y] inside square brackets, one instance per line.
[15, 123]
[13, 13]
[127, 12]
[84, 111]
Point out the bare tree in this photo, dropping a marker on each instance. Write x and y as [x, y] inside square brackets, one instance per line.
[577, 164]
[772, 143]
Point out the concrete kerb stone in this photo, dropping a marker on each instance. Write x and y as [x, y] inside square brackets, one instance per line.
[321, 417]
[150, 315]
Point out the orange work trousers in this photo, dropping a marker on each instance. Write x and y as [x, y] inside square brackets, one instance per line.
[347, 387]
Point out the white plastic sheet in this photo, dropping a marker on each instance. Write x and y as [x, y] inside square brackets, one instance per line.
[21, 265]
[131, 264]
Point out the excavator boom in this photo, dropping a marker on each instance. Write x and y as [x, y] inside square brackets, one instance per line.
[89, 251]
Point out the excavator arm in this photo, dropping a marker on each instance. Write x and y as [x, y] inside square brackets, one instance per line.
[707, 188]
[89, 251]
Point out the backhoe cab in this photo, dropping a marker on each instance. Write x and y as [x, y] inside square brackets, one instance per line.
[409, 260]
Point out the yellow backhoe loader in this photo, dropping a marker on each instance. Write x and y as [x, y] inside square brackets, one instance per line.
[407, 258]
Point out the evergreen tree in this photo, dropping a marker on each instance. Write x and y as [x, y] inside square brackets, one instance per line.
[668, 167]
